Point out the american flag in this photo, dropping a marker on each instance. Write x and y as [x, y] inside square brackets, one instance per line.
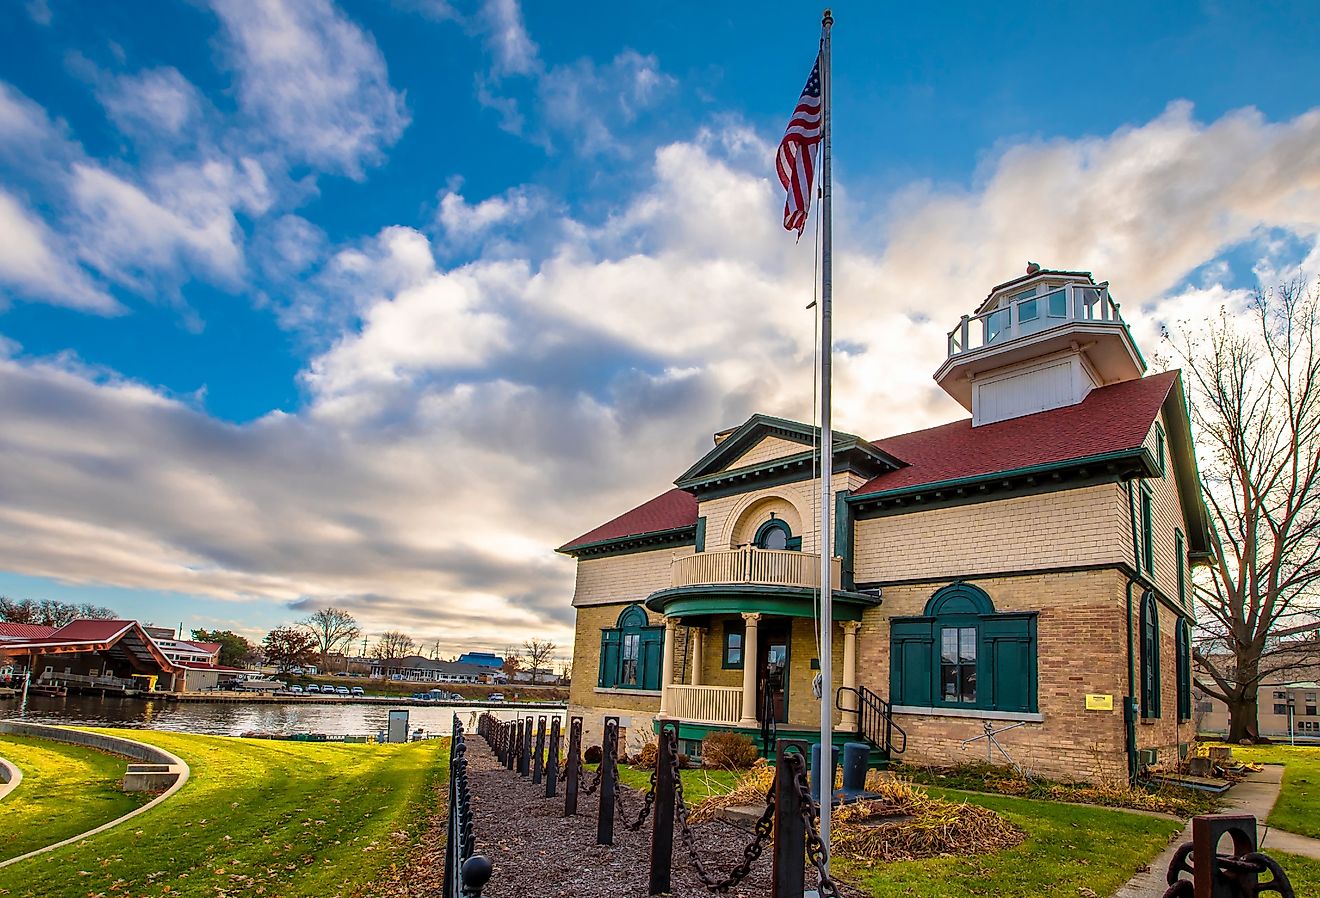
[796, 160]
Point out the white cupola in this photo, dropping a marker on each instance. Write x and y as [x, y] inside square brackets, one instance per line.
[1040, 341]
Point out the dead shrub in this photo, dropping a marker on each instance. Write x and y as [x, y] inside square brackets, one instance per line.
[728, 751]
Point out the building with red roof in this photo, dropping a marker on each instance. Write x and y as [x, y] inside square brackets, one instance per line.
[1028, 565]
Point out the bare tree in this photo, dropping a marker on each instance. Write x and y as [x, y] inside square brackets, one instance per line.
[331, 628]
[1256, 409]
[538, 654]
[392, 645]
[50, 612]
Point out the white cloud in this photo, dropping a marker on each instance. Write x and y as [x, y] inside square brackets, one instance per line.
[313, 82]
[30, 262]
[466, 224]
[506, 35]
[154, 103]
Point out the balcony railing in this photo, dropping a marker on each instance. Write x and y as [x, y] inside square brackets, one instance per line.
[1033, 314]
[770, 567]
[706, 704]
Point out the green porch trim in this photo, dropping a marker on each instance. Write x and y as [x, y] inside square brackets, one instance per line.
[695, 732]
[637, 542]
[737, 598]
[1121, 465]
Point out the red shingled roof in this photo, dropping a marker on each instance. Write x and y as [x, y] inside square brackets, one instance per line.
[667, 511]
[1109, 419]
[24, 631]
[89, 630]
[209, 648]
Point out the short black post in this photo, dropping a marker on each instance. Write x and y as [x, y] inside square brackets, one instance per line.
[552, 761]
[538, 760]
[525, 764]
[510, 742]
[608, 759]
[789, 877]
[515, 762]
[662, 822]
[574, 762]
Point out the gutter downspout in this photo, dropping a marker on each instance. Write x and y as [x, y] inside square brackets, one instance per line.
[1129, 701]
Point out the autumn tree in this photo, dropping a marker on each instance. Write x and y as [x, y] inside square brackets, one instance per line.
[332, 628]
[288, 647]
[537, 655]
[1255, 384]
[235, 650]
[393, 645]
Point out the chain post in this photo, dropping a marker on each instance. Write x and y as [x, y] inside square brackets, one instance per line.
[788, 879]
[538, 758]
[515, 763]
[662, 825]
[552, 760]
[525, 762]
[574, 762]
[609, 778]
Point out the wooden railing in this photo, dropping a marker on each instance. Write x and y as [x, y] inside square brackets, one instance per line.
[772, 567]
[1032, 314]
[706, 704]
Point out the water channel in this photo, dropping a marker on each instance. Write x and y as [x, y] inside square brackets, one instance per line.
[233, 719]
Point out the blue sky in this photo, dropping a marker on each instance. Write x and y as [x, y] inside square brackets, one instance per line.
[376, 303]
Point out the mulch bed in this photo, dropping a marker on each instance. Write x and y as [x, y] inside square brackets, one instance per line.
[538, 852]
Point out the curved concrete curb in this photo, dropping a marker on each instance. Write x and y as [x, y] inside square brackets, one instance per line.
[10, 777]
[138, 751]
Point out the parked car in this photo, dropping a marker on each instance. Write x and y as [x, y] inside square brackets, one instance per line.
[312, 687]
[358, 690]
[295, 671]
[296, 690]
[495, 697]
[341, 690]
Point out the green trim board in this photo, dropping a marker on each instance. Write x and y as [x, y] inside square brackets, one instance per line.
[635, 542]
[739, 598]
[695, 732]
[1117, 466]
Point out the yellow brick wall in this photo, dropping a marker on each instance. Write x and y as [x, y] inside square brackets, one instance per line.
[733, 520]
[765, 449]
[624, 578]
[1081, 649]
[1058, 529]
[1166, 516]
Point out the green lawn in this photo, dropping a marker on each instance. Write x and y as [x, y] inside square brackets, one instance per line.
[1298, 807]
[258, 817]
[1068, 849]
[1303, 872]
[66, 790]
[698, 785]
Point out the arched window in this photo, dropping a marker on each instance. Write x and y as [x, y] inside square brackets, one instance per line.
[630, 652]
[1183, 641]
[1150, 656]
[963, 654]
[776, 534]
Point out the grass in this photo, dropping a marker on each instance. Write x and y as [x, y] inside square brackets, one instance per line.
[1303, 872]
[697, 784]
[66, 790]
[1298, 807]
[256, 818]
[1067, 849]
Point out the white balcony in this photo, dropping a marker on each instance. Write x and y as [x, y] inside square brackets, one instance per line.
[767, 567]
[718, 705]
[1032, 315]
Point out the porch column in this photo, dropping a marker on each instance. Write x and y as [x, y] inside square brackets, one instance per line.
[848, 719]
[667, 667]
[749, 671]
[698, 644]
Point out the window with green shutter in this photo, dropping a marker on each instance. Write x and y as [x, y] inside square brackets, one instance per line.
[1147, 533]
[1183, 642]
[631, 652]
[963, 654]
[1180, 559]
[1150, 656]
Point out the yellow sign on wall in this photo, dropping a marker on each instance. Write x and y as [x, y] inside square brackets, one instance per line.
[1099, 702]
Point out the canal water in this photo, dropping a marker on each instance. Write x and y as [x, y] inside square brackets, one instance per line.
[225, 719]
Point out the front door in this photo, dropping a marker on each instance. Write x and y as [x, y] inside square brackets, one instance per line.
[772, 670]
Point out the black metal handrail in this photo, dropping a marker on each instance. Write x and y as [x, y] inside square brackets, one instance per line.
[769, 725]
[875, 719]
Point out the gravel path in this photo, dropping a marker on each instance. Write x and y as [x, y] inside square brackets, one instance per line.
[537, 851]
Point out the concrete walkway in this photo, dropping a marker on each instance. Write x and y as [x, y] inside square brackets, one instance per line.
[1255, 795]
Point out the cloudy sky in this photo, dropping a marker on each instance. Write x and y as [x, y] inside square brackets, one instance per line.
[374, 304]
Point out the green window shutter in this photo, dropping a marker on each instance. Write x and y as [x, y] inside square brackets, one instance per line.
[609, 658]
[649, 658]
[1184, 671]
[1150, 657]
[1008, 662]
[794, 544]
[700, 538]
[912, 670]
[1181, 560]
[1147, 535]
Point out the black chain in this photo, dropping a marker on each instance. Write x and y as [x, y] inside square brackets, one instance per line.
[647, 801]
[1230, 867]
[765, 828]
[582, 776]
[817, 853]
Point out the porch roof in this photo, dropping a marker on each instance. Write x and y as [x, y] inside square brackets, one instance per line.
[738, 598]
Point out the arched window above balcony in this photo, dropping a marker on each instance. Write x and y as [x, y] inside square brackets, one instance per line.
[776, 534]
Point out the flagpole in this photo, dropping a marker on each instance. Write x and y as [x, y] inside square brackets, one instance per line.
[825, 783]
